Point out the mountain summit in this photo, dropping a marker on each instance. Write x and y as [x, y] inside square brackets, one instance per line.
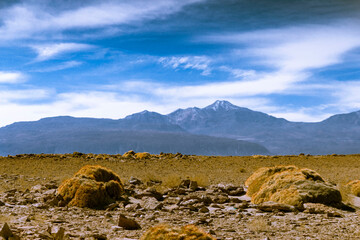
[222, 105]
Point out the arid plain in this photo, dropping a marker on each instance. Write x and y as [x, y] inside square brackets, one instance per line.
[226, 217]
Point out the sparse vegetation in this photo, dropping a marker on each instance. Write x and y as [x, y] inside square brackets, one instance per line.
[168, 168]
[290, 185]
[91, 186]
[354, 187]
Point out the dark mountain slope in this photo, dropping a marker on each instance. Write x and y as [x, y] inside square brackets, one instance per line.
[144, 131]
[120, 141]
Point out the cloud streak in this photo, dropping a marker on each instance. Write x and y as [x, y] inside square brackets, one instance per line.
[201, 63]
[49, 51]
[24, 20]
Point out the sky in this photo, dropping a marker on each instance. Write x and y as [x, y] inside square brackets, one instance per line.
[296, 59]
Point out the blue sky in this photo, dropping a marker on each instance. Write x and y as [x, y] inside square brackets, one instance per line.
[294, 59]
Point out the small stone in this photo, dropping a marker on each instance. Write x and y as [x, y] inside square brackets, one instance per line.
[150, 203]
[112, 206]
[98, 236]
[128, 224]
[204, 210]
[170, 208]
[274, 206]
[36, 188]
[5, 232]
[58, 233]
[220, 199]
[135, 181]
[132, 207]
[193, 185]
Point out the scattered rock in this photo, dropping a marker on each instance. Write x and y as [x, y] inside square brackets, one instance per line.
[150, 203]
[188, 184]
[189, 232]
[128, 224]
[132, 207]
[57, 233]
[317, 208]
[135, 181]
[274, 207]
[150, 192]
[204, 210]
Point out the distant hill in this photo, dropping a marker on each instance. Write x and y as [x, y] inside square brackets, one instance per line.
[142, 132]
[218, 129]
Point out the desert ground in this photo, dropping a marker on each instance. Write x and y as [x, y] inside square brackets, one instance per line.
[156, 194]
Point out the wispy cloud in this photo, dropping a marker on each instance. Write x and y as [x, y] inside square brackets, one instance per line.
[263, 85]
[201, 63]
[296, 48]
[28, 19]
[58, 67]
[239, 73]
[11, 77]
[31, 94]
[49, 51]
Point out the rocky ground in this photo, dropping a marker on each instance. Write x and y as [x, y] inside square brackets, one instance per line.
[223, 210]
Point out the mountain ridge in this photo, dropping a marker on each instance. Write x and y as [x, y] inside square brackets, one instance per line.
[221, 119]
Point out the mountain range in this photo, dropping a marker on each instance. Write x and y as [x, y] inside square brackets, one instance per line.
[218, 129]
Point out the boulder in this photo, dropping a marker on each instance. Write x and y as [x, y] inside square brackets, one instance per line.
[92, 187]
[290, 185]
[189, 232]
[354, 187]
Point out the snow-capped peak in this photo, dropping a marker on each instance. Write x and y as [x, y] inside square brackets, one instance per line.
[223, 105]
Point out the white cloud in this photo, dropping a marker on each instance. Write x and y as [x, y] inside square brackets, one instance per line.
[48, 51]
[61, 66]
[25, 20]
[300, 115]
[200, 63]
[11, 77]
[265, 84]
[296, 48]
[239, 73]
[347, 95]
[11, 96]
[100, 104]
